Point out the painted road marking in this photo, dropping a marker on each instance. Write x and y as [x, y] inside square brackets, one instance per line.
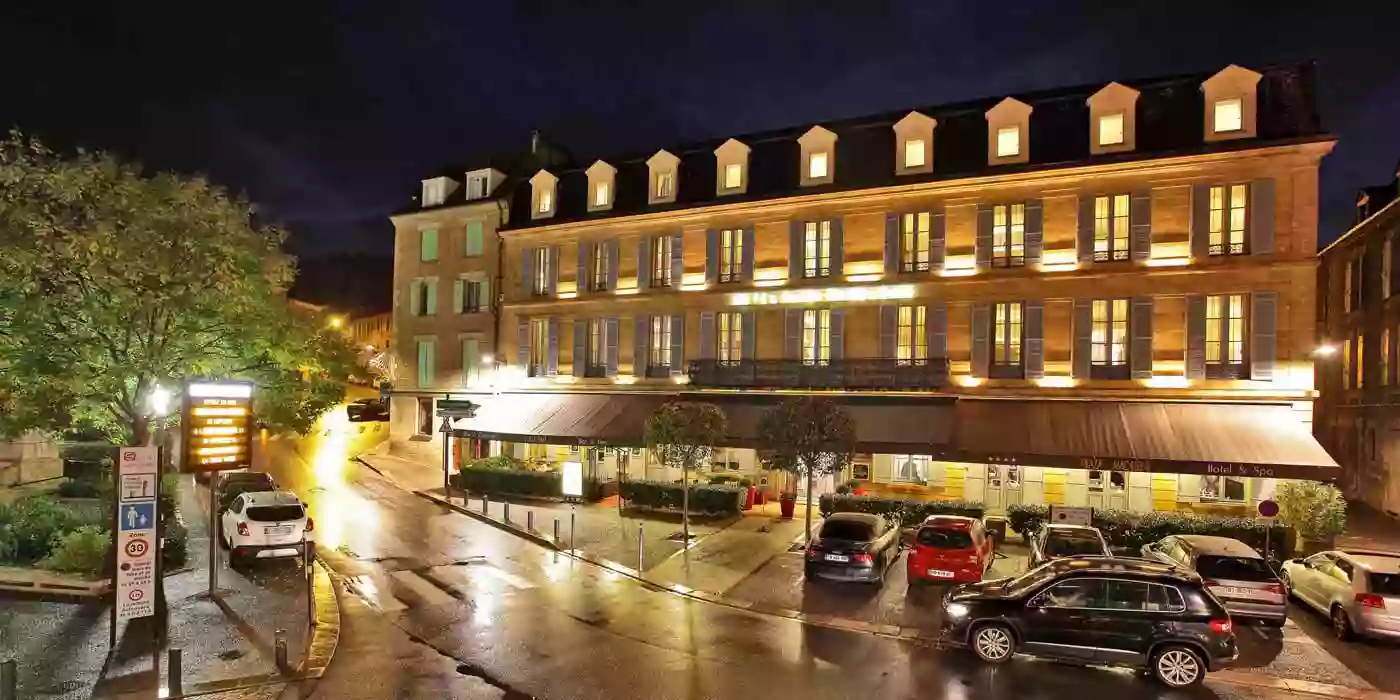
[374, 589]
[419, 589]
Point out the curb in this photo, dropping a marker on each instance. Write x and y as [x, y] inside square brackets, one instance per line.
[325, 636]
[535, 537]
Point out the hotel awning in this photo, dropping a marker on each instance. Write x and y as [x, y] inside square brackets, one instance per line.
[1259, 440]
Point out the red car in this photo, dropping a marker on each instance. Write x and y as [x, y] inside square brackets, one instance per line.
[950, 548]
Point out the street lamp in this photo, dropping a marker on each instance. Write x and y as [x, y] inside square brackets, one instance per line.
[1325, 350]
[158, 401]
[336, 322]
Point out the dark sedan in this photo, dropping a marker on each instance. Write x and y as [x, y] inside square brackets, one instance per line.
[853, 547]
[1092, 610]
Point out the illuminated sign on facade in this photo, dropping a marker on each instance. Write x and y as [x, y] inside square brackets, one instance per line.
[217, 422]
[819, 296]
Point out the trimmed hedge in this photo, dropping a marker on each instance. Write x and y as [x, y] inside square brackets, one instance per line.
[708, 499]
[910, 513]
[1132, 530]
[523, 482]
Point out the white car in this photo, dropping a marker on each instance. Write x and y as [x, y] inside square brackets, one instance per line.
[265, 525]
[1359, 591]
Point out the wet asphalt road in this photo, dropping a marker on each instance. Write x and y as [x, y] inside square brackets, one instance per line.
[440, 605]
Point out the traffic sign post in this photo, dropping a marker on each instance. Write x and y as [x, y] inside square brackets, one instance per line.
[1268, 509]
[449, 409]
[135, 536]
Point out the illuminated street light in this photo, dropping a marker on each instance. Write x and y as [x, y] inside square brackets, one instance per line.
[335, 322]
[487, 359]
[1325, 350]
[159, 401]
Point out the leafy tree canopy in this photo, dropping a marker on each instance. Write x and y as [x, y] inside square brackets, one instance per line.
[683, 433]
[112, 282]
[808, 433]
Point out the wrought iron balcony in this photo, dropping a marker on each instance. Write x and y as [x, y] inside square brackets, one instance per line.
[851, 373]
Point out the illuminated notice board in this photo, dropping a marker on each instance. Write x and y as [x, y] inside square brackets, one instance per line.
[218, 426]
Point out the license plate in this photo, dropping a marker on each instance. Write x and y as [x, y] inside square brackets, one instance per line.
[837, 557]
[938, 573]
[279, 530]
[1236, 592]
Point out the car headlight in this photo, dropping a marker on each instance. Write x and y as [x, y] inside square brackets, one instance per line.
[955, 610]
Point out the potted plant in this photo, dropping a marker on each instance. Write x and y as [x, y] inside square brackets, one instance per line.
[747, 486]
[1317, 512]
[787, 504]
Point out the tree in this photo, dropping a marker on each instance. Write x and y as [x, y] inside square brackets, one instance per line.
[113, 282]
[810, 436]
[1316, 511]
[683, 434]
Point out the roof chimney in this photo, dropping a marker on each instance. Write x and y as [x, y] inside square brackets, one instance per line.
[535, 141]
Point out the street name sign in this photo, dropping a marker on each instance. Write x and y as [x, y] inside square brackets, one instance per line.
[136, 532]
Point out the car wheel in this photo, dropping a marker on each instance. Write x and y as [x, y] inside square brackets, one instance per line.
[1178, 667]
[1341, 624]
[1287, 582]
[1273, 623]
[993, 643]
[809, 572]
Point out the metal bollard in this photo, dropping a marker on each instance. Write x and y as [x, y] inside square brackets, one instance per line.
[174, 672]
[530, 521]
[639, 548]
[572, 518]
[280, 649]
[9, 681]
[485, 504]
[556, 531]
[506, 505]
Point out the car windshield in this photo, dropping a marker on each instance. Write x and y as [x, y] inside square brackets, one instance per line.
[1385, 584]
[1069, 544]
[1031, 579]
[274, 514]
[945, 539]
[847, 530]
[1233, 568]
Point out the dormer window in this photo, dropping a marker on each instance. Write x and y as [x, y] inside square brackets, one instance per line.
[434, 191]
[1112, 119]
[818, 165]
[1008, 129]
[732, 168]
[662, 171]
[601, 195]
[733, 176]
[1008, 141]
[913, 144]
[1231, 98]
[542, 194]
[914, 153]
[665, 185]
[1229, 114]
[476, 185]
[546, 202]
[1111, 129]
[601, 177]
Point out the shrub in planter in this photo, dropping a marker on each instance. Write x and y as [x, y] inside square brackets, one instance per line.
[1025, 519]
[79, 488]
[176, 545]
[1317, 511]
[82, 551]
[523, 482]
[37, 522]
[909, 512]
[711, 499]
[499, 462]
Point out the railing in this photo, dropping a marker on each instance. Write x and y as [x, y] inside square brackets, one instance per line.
[855, 373]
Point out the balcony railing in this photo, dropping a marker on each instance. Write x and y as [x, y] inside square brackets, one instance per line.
[856, 373]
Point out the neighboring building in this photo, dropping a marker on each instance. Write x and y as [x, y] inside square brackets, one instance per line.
[1359, 320]
[371, 337]
[1090, 296]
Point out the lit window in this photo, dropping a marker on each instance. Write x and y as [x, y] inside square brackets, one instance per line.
[1229, 207]
[1111, 129]
[731, 254]
[911, 340]
[596, 347]
[542, 273]
[665, 182]
[473, 296]
[816, 166]
[1008, 141]
[1008, 235]
[1385, 360]
[598, 281]
[1225, 335]
[661, 261]
[1006, 339]
[733, 176]
[1215, 487]
[660, 341]
[816, 249]
[1229, 114]
[911, 469]
[1347, 379]
[1108, 338]
[1111, 228]
[1360, 360]
[730, 327]
[914, 242]
[600, 195]
[476, 186]
[539, 346]
[816, 337]
[914, 153]
[546, 201]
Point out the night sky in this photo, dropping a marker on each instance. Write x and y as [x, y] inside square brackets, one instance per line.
[327, 114]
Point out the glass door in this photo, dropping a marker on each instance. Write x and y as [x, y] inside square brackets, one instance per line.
[1003, 487]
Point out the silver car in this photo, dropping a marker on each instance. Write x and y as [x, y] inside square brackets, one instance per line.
[1358, 590]
[1233, 571]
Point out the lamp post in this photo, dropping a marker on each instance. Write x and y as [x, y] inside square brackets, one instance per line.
[158, 403]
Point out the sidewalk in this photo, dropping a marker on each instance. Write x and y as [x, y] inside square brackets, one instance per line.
[1368, 528]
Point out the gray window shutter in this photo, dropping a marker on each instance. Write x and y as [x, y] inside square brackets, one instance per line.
[526, 266]
[984, 236]
[838, 248]
[707, 335]
[936, 316]
[748, 349]
[1084, 240]
[553, 368]
[838, 334]
[1200, 225]
[610, 333]
[677, 260]
[584, 268]
[1195, 337]
[981, 332]
[747, 256]
[937, 242]
[613, 263]
[795, 260]
[1140, 352]
[522, 344]
[641, 347]
[1034, 337]
[891, 243]
[889, 328]
[1035, 232]
[711, 256]
[580, 347]
[792, 341]
[1263, 323]
[553, 269]
[1081, 355]
[1140, 220]
[1261, 216]
[643, 262]
[677, 344]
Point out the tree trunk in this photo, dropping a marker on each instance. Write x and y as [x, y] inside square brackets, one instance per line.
[809, 506]
[140, 431]
[685, 506]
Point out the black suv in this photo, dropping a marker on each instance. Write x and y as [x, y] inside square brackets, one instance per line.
[1118, 611]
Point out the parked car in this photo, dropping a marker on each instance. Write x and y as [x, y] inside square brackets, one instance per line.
[1096, 610]
[264, 525]
[1234, 572]
[1358, 590]
[1053, 541]
[234, 484]
[950, 548]
[853, 547]
[367, 410]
